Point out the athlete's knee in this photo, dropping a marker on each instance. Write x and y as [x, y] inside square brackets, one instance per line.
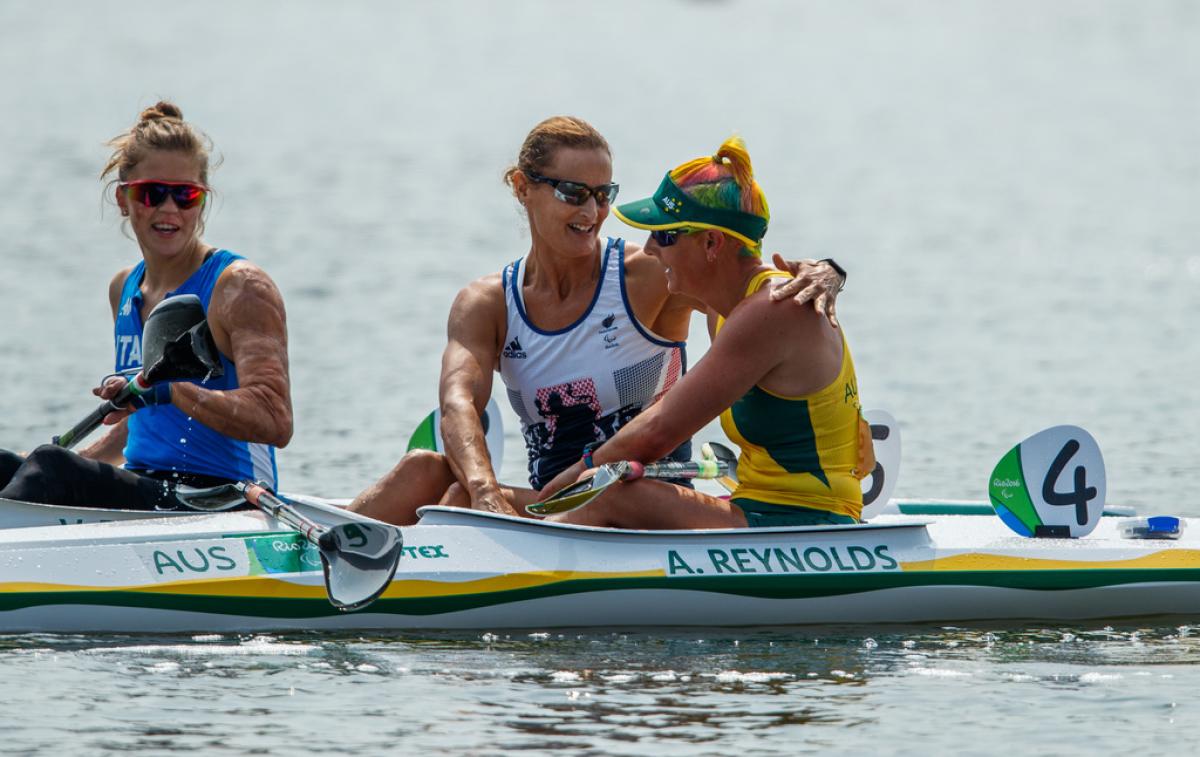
[42, 477]
[49, 460]
[425, 460]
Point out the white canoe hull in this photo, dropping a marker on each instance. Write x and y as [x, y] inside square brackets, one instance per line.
[465, 570]
[649, 609]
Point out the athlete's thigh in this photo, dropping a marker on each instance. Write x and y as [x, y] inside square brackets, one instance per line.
[658, 505]
[519, 498]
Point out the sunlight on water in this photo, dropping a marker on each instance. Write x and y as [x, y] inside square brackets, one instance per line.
[604, 690]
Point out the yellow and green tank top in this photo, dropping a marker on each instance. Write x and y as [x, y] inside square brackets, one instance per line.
[800, 450]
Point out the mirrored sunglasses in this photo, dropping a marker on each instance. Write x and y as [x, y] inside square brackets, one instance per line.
[577, 193]
[152, 193]
[666, 238]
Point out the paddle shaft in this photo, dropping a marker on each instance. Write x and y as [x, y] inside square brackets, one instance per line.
[358, 560]
[267, 502]
[700, 469]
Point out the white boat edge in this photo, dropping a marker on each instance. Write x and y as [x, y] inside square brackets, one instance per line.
[16, 514]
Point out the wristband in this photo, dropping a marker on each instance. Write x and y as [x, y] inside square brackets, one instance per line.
[838, 269]
[587, 455]
[158, 394]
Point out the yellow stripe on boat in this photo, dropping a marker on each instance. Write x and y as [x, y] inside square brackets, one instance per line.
[510, 582]
[259, 586]
[1166, 559]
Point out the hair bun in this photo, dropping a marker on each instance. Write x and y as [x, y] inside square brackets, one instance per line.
[161, 109]
[159, 127]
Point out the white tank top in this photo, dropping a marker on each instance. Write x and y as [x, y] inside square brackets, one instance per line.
[578, 385]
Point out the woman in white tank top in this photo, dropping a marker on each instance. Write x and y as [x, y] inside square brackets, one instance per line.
[573, 374]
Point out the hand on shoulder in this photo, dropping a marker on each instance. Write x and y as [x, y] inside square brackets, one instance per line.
[815, 281]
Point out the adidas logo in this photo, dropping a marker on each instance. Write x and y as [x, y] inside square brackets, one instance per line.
[514, 351]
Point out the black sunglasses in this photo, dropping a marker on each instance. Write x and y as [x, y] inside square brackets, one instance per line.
[576, 193]
[668, 238]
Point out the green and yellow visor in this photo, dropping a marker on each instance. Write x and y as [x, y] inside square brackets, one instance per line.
[670, 208]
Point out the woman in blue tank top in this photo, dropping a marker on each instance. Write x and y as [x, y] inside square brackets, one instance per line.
[197, 433]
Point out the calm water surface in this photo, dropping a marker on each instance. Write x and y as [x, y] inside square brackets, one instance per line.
[1013, 186]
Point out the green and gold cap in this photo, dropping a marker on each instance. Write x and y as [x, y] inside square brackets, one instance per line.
[670, 208]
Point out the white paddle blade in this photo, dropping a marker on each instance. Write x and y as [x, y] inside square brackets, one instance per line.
[877, 488]
[1052, 484]
[428, 435]
[359, 560]
[354, 582]
[368, 540]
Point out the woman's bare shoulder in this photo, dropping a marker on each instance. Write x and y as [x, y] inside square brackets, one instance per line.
[115, 286]
[483, 294]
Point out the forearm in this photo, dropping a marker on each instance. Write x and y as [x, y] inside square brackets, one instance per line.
[640, 440]
[740, 356]
[473, 343]
[465, 445]
[109, 448]
[646, 438]
[255, 413]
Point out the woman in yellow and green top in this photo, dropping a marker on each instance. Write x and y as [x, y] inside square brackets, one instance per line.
[782, 381]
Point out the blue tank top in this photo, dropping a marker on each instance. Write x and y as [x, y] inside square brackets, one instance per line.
[162, 437]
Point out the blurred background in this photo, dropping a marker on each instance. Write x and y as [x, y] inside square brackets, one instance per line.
[1012, 186]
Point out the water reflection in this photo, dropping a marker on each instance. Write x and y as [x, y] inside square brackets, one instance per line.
[608, 691]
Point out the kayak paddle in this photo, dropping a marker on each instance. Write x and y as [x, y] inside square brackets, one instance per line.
[176, 344]
[359, 556]
[582, 492]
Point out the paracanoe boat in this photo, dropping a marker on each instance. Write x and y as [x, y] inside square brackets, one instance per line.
[460, 569]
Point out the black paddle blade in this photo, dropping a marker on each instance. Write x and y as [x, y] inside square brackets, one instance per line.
[169, 320]
[359, 560]
[191, 355]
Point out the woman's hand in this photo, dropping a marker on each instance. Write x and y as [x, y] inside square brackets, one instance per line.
[563, 480]
[815, 281]
[493, 501]
[111, 387]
